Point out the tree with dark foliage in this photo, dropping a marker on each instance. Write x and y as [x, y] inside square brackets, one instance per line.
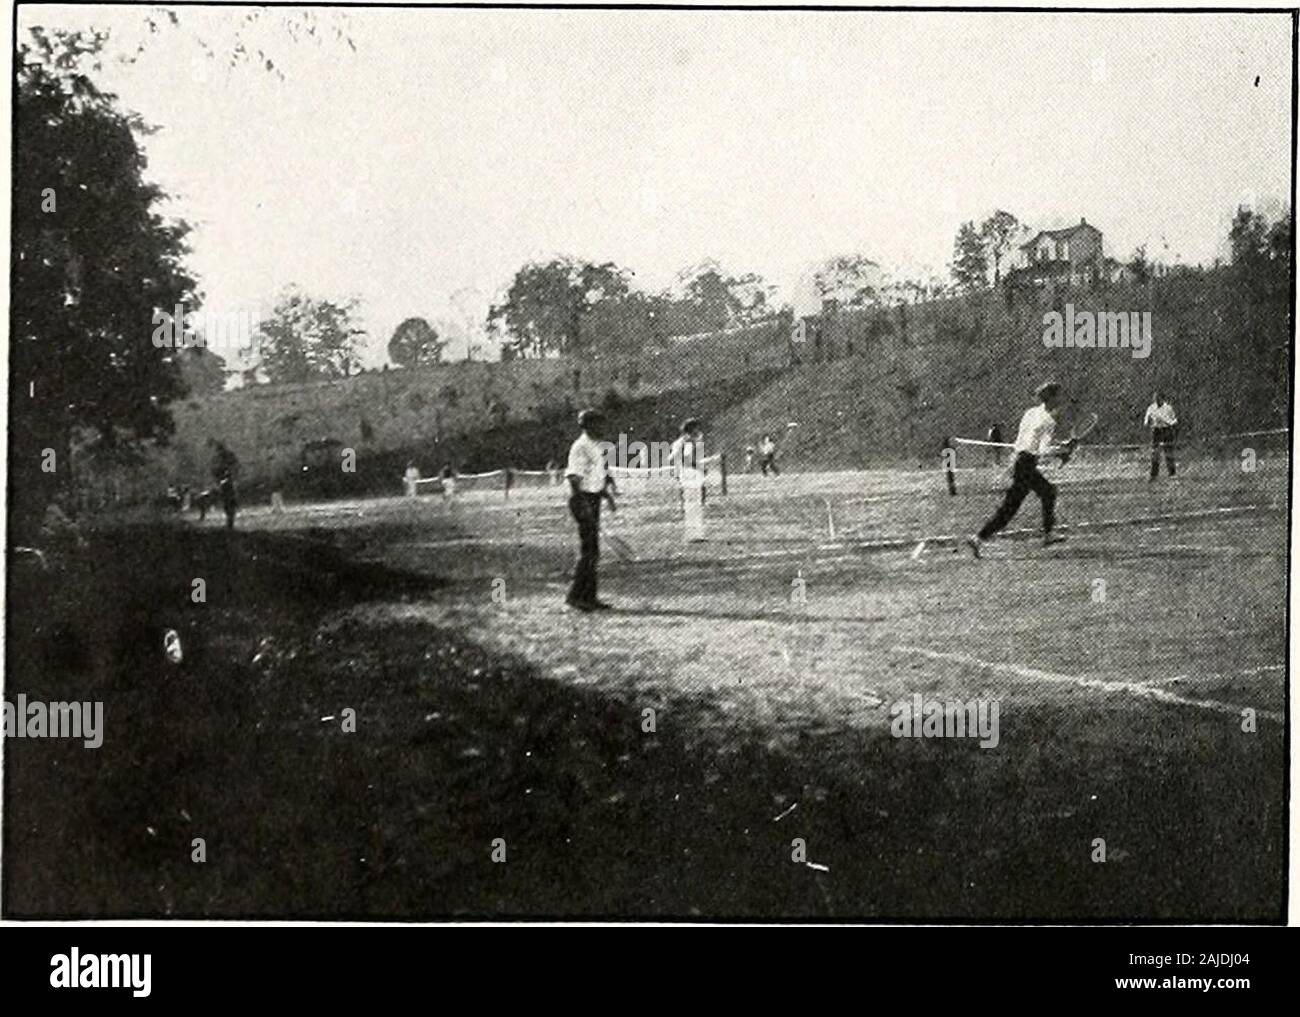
[542, 313]
[999, 233]
[415, 343]
[970, 267]
[92, 259]
[306, 339]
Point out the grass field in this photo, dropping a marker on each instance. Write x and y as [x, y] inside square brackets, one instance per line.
[771, 655]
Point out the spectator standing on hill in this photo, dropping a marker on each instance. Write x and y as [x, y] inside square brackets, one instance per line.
[1163, 421]
[767, 449]
[589, 485]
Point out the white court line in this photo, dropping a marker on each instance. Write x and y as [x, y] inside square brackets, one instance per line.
[462, 542]
[1249, 672]
[889, 543]
[1101, 684]
[1210, 548]
[949, 539]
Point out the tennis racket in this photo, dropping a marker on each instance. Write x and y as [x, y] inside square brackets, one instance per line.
[1083, 430]
[1077, 434]
[621, 548]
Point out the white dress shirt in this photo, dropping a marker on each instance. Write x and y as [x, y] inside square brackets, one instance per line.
[1161, 415]
[1036, 429]
[587, 463]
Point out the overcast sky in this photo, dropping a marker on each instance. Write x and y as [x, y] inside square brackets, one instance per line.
[420, 171]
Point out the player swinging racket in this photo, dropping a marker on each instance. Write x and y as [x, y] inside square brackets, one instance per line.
[589, 483]
[1033, 440]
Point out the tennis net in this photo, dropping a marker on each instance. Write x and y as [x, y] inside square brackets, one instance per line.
[1200, 455]
[474, 485]
[662, 481]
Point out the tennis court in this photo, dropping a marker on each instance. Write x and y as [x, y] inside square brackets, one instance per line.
[1139, 669]
[1178, 585]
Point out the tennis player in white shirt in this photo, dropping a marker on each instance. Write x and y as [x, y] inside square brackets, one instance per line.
[1034, 439]
[1162, 420]
[589, 484]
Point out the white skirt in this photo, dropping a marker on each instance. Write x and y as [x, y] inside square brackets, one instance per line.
[692, 482]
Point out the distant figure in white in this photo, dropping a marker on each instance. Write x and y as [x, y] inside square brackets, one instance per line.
[1163, 421]
[448, 485]
[411, 478]
[685, 458]
[767, 449]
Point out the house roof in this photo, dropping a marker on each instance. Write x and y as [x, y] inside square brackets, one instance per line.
[1063, 234]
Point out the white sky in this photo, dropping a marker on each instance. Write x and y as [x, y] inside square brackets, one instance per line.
[421, 171]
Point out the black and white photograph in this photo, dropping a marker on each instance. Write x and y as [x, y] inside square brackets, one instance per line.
[685, 465]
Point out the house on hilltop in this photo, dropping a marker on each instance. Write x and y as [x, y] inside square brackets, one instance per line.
[1070, 256]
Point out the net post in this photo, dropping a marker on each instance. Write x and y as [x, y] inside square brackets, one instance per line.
[722, 468]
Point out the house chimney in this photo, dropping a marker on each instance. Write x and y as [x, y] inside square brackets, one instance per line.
[1083, 222]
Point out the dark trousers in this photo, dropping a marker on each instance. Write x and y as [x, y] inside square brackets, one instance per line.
[229, 503]
[586, 510]
[1162, 440]
[1024, 478]
[769, 463]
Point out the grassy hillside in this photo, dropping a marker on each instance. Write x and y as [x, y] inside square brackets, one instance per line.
[882, 386]
[886, 386]
[957, 367]
[531, 444]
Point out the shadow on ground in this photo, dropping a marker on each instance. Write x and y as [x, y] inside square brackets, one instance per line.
[454, 747]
